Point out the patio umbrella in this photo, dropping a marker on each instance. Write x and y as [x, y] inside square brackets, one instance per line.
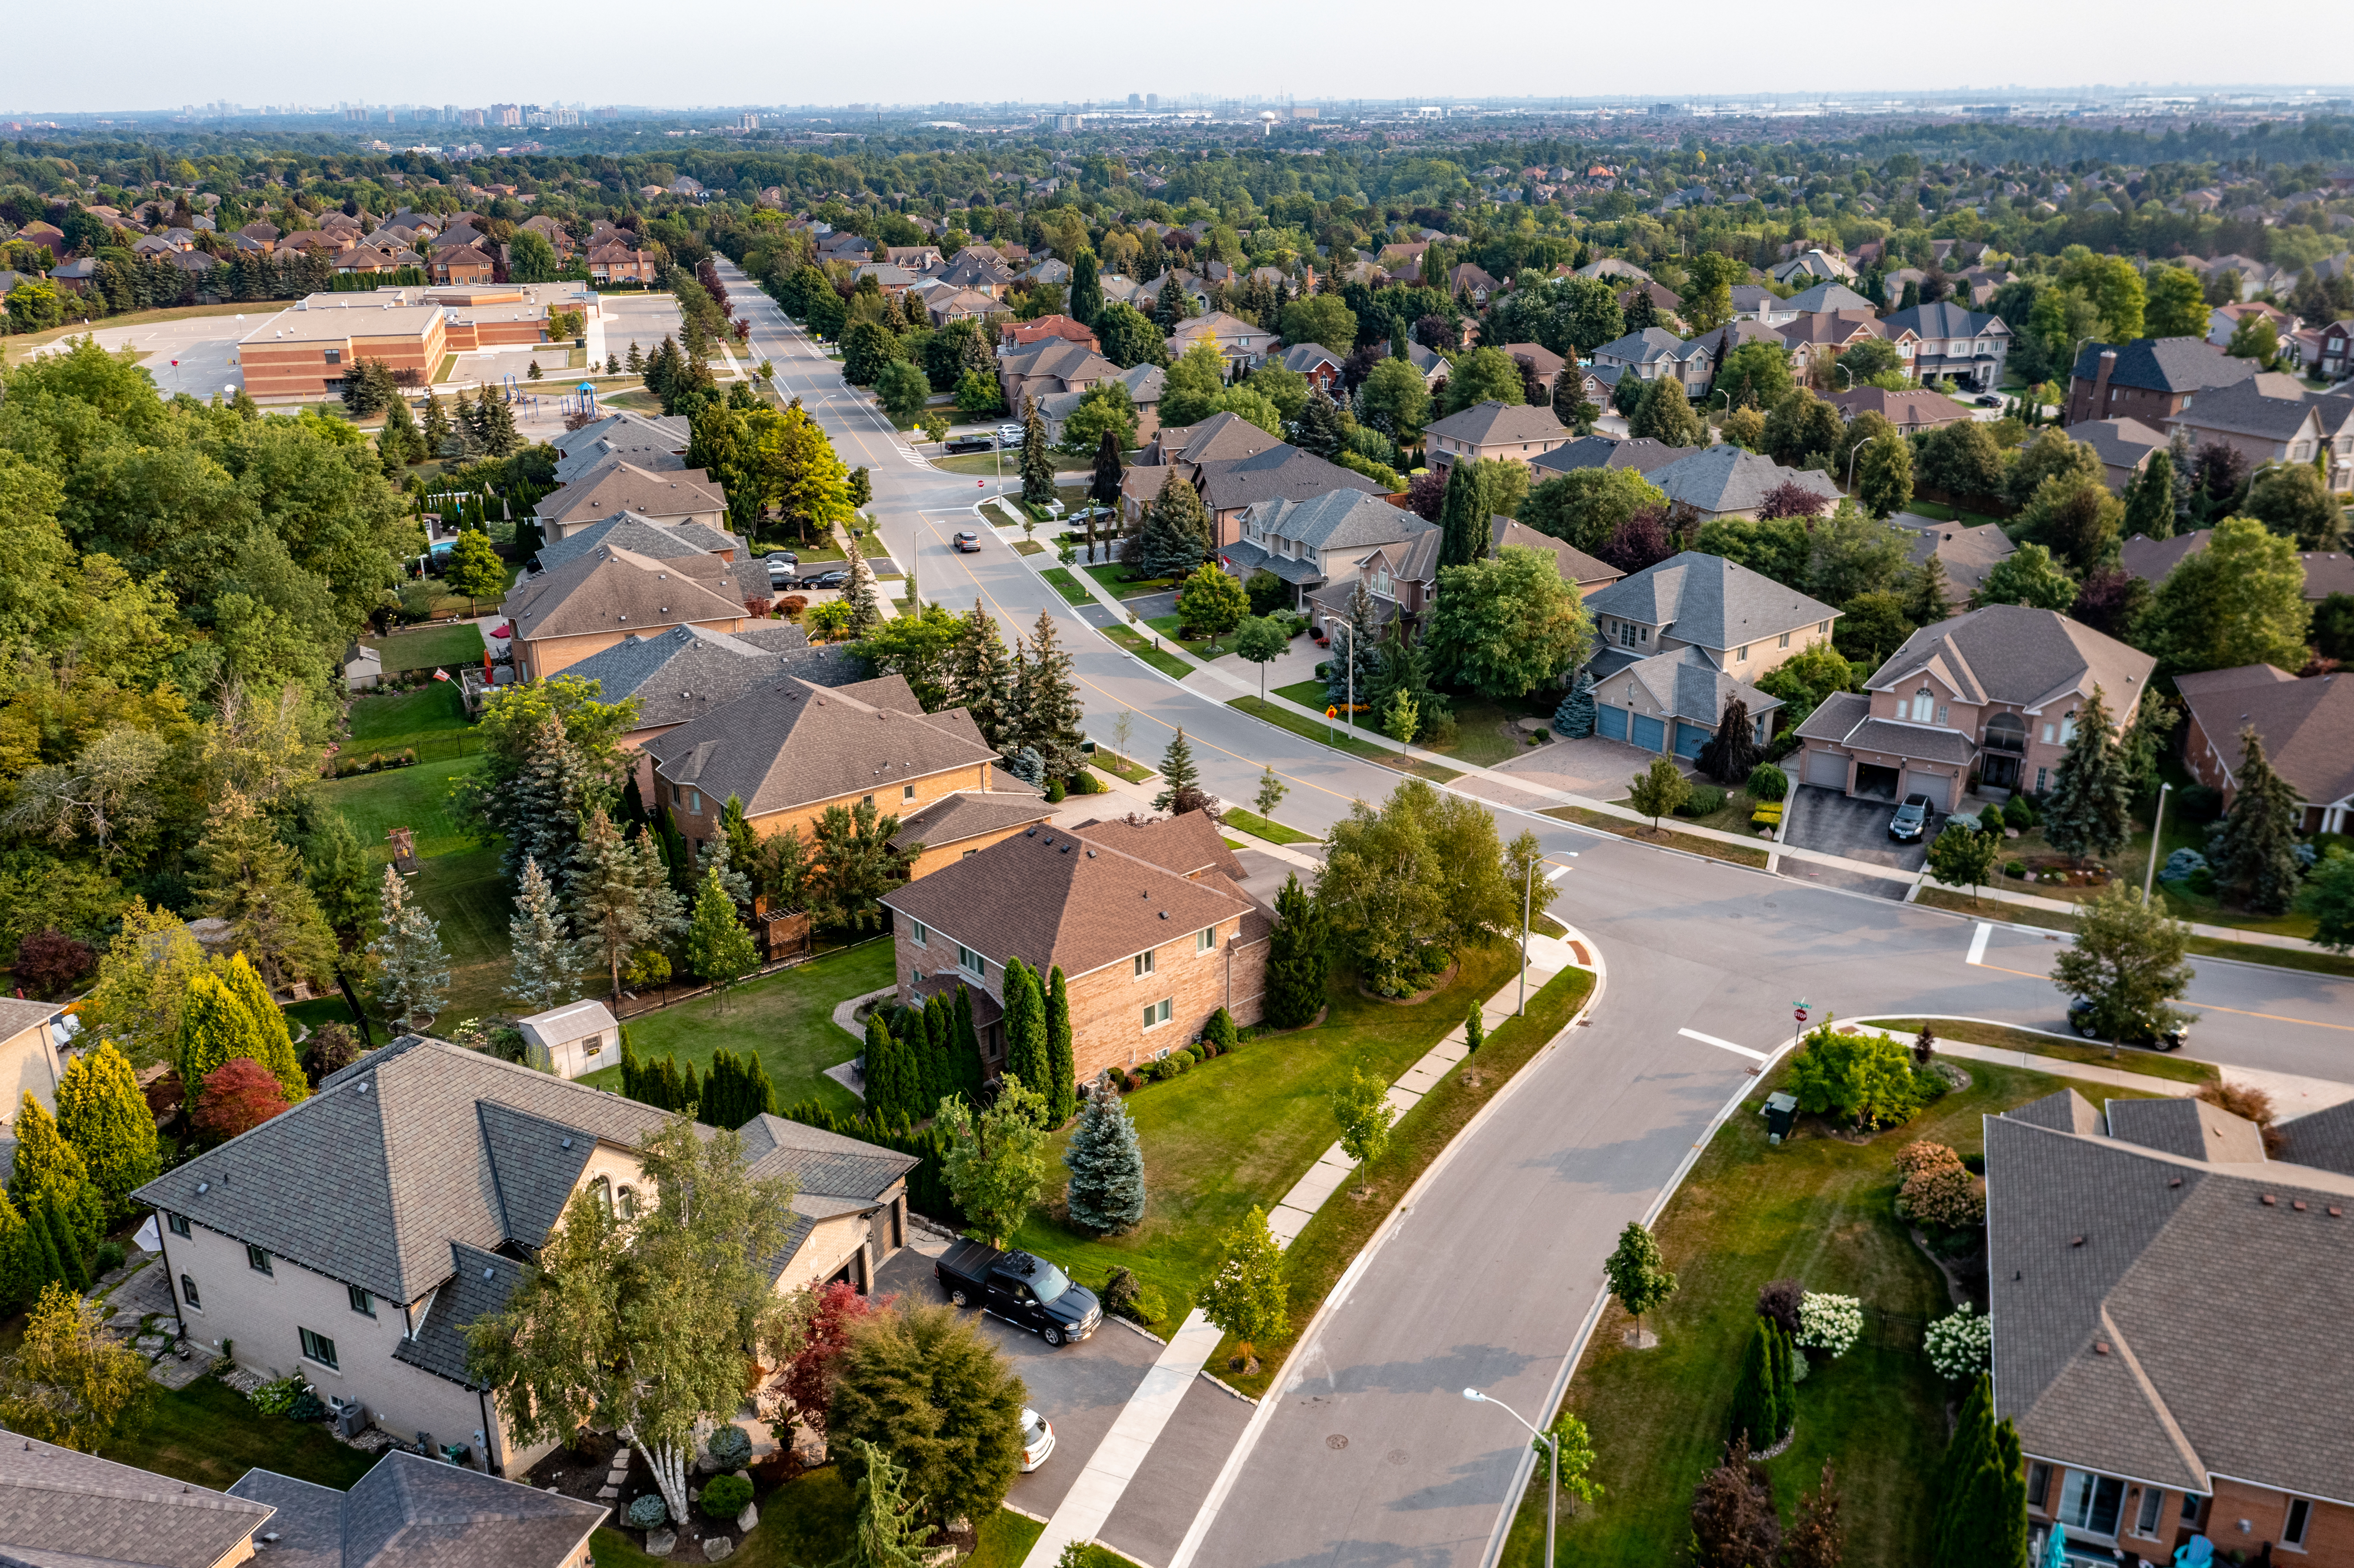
[2055, 1547]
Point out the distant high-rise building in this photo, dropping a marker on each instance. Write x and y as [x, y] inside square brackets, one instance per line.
[1135, 102]
[450, 113]
[506, 114]
[1152, 103]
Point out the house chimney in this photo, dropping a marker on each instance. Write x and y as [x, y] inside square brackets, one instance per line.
[2101, 382]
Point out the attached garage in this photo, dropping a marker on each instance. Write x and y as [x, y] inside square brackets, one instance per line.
[1610, 724]
[1827, 769]
[1650, 734]
[1938, 787]
[1690, 738]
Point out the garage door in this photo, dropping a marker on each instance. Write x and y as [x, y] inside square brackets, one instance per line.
[1610, 724]
[1690, 738]
[1827, 769]
[1650, 734]
[1938, 787]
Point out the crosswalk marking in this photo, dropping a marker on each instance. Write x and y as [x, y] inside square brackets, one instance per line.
[1724, 1044]
[1979, 942]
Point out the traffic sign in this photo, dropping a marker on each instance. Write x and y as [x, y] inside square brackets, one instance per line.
[1801, 1014]
[1332, 713]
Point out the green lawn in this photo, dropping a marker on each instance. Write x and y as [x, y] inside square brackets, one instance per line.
[1124, 768]
[428, 647]
[1818, 1209]
[1738, 854]
[1115, 578]
[786, 1019]
[1243, 1128]
[208, 1434]
[1317, 729]
[2313, 961]
[1484, 734]
[1261, 827]
[1201, 648]
[1064, 583]
[1945, 513]
[1168, 663]
[433, 721]
[2151, 1063]
[415, 797]
[808, 1521]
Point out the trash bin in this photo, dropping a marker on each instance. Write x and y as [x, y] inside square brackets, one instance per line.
[1781, 1110]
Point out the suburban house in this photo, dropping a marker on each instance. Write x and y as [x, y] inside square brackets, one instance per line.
[1654, 352]
[1826, 298]
[2150, 379]
[1319, 363]
[1642, 453]
[1049, 366]
[1964, 345]
[617, 263]
[31, 1034]
[1512, 431]
[893, 281]
[410, 1511]
[1233, 464]
[644, 537]
[2334, 351]
[1540, 365]
[461, 264]
[653, 442]
[2224, 320]
[2152, 560]
[789, 748]
[1318, 540]
[1144, 382]
[1756, 302]
[669, 497]
[1727, 480]
[1402, 579]
[2150, 1410]
[1816, 339]
[1013, 335]
[1983, 703]
[1241, 344]
[2266, 418]
[968, 823]
[1810, 263]
[569, 1041]
[2306, 727]
[451, 1167]
[2123, 446]
[1911, 413]
[1967, 553]
[1149, 923]
[561, 616]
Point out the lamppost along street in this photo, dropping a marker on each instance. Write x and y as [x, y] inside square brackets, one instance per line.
[2157, 825]
[1553, 1446]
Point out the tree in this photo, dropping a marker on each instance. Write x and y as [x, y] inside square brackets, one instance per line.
[855, 863]
[1574, 720]
[2254, 851]
[1260, 641]
[1463, 517]
[1105, 412]
[412, 968]
[1981, 1476]
[546, 964]
[475, 569]
[1245, 1295]
[1586, 506]
[1298, 957]
[1107, 1166]
[1816, 1537]
[1192, 384]
[1962, 460]
[1360, 1104]
[1883, 476]
[2254, 337]
[1853, 554]
[1129, 337]
[1658, 790]
[1026, 1052]
[1802, 427]
[718, 948]
[1506, 625]
[69, 1383]
[2239, 601]
[1211, 602]
[277, 1046]
[2087, 811]
[1666, 416]
[1355, 676]
[886, 1531]
[337, 871]
[2127, 961]
[214, 1027]
[1086, 289]
[1408, 884]
[1734, 1524]
[902, 390]
[1179, 775]
[996, 1162]
[1729, 754]
[2075, 518]
[2027, 575]
[1755, 375]
[1174, 533]
[1396, 399]
[253, 879]
[551, 758]
[1321, 318]
[1061, 1070]
[1638, 1274]
[1320, 429]
[621, 897]
[2149, 499]
[1870, 627]
[977, 395]
[51, 1171]
[103, 1114]
[142, 981]
[866, 348]
[1483, 376]
[921, 1385]
[1759, 1416]
[1047, 702]
[1960, 856]
[2294, 499]
[530, 257]
[2174, 304]
[239, 1096]
[2329, 897]
[648, 1325]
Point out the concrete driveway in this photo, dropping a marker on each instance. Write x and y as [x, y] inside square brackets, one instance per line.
[1842, 826]
[1593, 767]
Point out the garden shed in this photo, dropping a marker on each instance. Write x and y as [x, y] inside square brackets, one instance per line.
[578, 1037]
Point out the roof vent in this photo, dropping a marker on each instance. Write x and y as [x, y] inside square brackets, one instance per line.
[2174, 1180]
[1091, 855]
[2269, 1200]
[1066, 849]
[2299, 1204]
[363, 1085]
[2100, 1346]
[2336, 1212]
[2075, 1241]
[567, 1143]
[490, 1273]
[1164, 914]
[203, 1188]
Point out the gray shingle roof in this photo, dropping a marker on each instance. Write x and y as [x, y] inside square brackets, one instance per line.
[1281, 472]
[1642, 346]
[477, 1285]
[60, 1509]
[616, 485]
[1304, 357]
[2324, 1139]
[1967, 553]
[1684, 682]
[609, 589]
[413, 1512]
[1245, 558]
[820, 1162]
[2119, 444]
[1727, 478]
[1337, 520]
[2192, 1129]
[2247, 409]
[1825, 298]
[1490, 423]
[1575, 565]
[640, 535]
[2165, 365]
[1707, 600]
[1641, 453]
[683, 673]
[2012, 653]
[969, 813]
[1944, 318]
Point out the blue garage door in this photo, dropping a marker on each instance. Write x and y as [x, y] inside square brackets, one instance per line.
[1650, 734]
[1610, 724]
[1690, 738]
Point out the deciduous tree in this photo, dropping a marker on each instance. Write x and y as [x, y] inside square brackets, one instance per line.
[922, 1385]
[239, 1096]
[1506, 625]
[1638, 1274]
[1245, 1295]
[2127, 961]
[996, 1161]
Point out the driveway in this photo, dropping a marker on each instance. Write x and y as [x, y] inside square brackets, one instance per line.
[1842, 826]
[1593, 766]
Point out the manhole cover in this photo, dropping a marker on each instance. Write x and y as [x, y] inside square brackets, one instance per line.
[1397, 1456]
[1336, 1441]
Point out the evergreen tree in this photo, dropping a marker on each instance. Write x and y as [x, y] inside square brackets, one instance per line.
[21, 1277]
[718, 946]
[1729, 753]
[278, 1052]
[979, 678]
[1928, 598]
[2149, 499]
[51, 1170]
[1086, 289]
[1574, 720]
[2088, 810]
[1357, 648]
[621, 900]
[1026, 1055]
[970, 1072]
[1756, 1397]
[101, 1112]
[65, 1245]
[940, 1042]
[1319, 429]
[1062, 1085]
[1174, 536]
[253, 879]
[886, 1095]
[866, 607]
[412, 967]
[1037, 458]
[214, 1025]
[2254, 847]
[1463, 516]
[1047, 697]
[1981, 1507]
[547, 966]
[1107, 1166]
[1298, 957]
[1104, 489]
[1178, 773]
[1170, 306]
[42, 1261]
[435, 434]
[887, 1527]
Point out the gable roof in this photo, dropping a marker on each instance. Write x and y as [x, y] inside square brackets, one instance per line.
[1642, 346]
[2247, 408]
[1492, 423]
[2323, 1139]
[687, 672]
[610, 589]
[2026, 657]
[1912, 409]
[619, 485]
[1946, 319]
[1280, 472]
[1577, 568]
[968, 814]
[640, 536]
[2119, 444]
[1642, 453]
[60, 1509]
[1188, 844]
[1727, 478]
[820, 1163]
[1336, 520]
[2307, 727]
[2163, 365]
[1707, 600]
[1305, 357]
[1967, 553]
[1824, 299]
[1686, 684]
[1059, 357]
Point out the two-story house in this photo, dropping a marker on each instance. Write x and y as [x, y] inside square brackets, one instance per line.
[1318, 540]
[2266, 418]
[1984, 703]
[1233, 465]
[2150, 379]
[606, 595]
[2333, 356]
[446, 1170]
[1653, 352]
[1727, 480]
[1510, 431]
[1319, 363]
[1241, 345]
[1049, 366]
[679, 494]
[1401, 579]
[1817, 338]
[1965, 345]
[1149, 922]
[2306, 727]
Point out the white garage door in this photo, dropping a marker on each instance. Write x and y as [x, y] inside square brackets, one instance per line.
[1936, 786]
[1827, 769]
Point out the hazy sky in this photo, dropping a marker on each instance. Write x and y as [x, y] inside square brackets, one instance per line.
[604, 51]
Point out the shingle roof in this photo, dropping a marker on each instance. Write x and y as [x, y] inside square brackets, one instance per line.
[1221, 438]
[620, 590]
[1906, 410]
[2152, 559]
[1946, 319]
[1727, 478]
[820, 1162]
[1187, 844]
[1490, 423]
[2307, 727]
[1576, 566]
[2163, 365]
[1707, 600]
[1304, 357]
[688, 672]
[2017, 655]
[2192, 1129]
[1642, 346]
[2323, 1139]
[787, 742]
[1336, 520]
[60, 1509]
[2119, 444]
[1058, 357]
[968, 814]
[1642, 453]
[1282, 473]
[1686, 684]
[1245, 558]
[1824, 299]
[640, 535]
[1967, 553]
[620, 486]
[2246, 408]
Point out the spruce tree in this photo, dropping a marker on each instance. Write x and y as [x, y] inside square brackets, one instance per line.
[436, 432]
[1319, 429]
[1062, 1086]
[1048, 699]
[1171, 306]
[2254, 847]
[2087, 813]
[1174, 535]
[269, 1026]
[1358, 648]
[1037, 458]
[972, 1073]
[980, 677]
[1026, 1055]
[547, 966]
[865, 606]
[1178, 773]
[412, 967]
[101, 1112]
[1107, 1166]
[620, 898]
[1298, 957]
[1574, 720]
[1463, 517]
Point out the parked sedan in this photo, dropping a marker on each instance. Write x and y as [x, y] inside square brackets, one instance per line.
[1912, 819]
[1009, 435]
[1037, 1439]
[833, 580]
[967, 542]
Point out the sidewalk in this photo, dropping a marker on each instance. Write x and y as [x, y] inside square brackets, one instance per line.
[2061, 906]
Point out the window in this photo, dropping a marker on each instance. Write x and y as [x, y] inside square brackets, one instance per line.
[1144, 963]
[318, 1348]
[334, 356]
[2089, 1502]
[1785, 641]
[1822, 628]
[1205, 939]
[866, 799]
[920, 935]
[179, 1224]
[1741, 654]
[694, 802]
[1156, 1013]
[971, 962]
[2191, 1508]
[361, 1301]
[1941, 713]
[2146, 1521]
[2048, 732]
[257, 1259]
[906, 791]
[2041, 774]
[188, 1293]
[626, 1199]
[1922, 703]
[2038, 1484]
[2300, 1518]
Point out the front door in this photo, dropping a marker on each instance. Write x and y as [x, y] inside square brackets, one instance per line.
[1997, 771]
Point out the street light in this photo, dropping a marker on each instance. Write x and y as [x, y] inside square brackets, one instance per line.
[2157, 825]
[1553, 1446]
[1858, 447]
[1528, 898]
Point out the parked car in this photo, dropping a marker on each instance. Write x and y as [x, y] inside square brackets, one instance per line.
[1988, 400]
[1020, 1288]
[833, 580]
[2143, 1034]
[1037, 1439]
[786, 556]
[1009, 435]
[962, 444]
[967, 542]
[1912, 819]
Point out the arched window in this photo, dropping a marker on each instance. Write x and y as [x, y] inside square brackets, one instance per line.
[2006, 732]
[1924, 703]
[628, 1197]
[603, 1191]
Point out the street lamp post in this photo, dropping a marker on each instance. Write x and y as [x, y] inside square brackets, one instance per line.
[1553, 1446]
[1852, 454]
[2157, 826]
[1528, 901]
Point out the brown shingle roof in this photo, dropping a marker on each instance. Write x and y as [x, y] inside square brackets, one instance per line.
[623, 486]
[1486, 424]
[610, 589]
[2307, 727]
[969, 814]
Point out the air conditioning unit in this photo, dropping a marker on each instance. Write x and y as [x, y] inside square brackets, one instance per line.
[348, 1417]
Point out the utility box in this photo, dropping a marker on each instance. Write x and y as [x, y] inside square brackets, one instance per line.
[1781, 1110]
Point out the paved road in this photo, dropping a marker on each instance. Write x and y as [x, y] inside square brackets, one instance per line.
[1488, 1277]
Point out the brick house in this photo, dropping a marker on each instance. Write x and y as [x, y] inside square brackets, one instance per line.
[1048, 365]
[1493, 429]
[2150, 379]
[614, 262]
[1966, 345]
[2334, 351]
[2306, 727]
[1911, 412]
[1234, 465]
[461, 264]
[1015, 335]
[671, 496]
[1319, 363]
[589, 604]
[2156, 1285]
[1149, 923]
[1241, 345]
[1985, 701]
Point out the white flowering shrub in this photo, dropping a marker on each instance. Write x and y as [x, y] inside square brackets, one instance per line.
[1828, 1323]
[1960, 1347]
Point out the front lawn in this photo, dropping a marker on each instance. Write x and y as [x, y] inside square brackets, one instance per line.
[1260, 827]
[1124, 768]
[208, 1434]
[1485, 732]
[1064, 583]
[432, 722]
[1201, 648]
[1321, 731]
[428, 647]
[786, 1019]
[1691, 843]
[1144, 648]
[2125, 1058]
[1819, 1209]
[809, 1521]
[1243, 1128]
[1115, 577]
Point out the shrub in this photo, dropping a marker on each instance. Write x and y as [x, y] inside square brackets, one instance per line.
[648, 1512]
[109, 1257]
[306, 1407]
[1767, 782]
[1830, 1323]
[1866, 1079]
[1219, 1029]
[2181, 865]
[2020, 812]
[2200, 802]
[1124, 1296]
[730, 1447]
[1704, 800]
[1324, 672]
[1055, 791]
[1922, 1155]
[276, 1398]
[724, 1496]
[1947, 1196]
[1778, 1300]
[2014, 868]
[1961, 1347]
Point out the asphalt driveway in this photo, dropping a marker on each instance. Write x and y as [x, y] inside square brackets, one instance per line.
[1842, 826]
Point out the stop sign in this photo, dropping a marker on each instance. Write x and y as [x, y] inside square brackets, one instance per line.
[1801, 1014]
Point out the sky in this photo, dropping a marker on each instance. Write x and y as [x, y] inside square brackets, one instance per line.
[725, 52]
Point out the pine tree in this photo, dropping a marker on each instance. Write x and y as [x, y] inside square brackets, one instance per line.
[253, 879]
[270, 1025]
[2087, 813]
[1756, 1408]
[1298, 957]
[1062, 1086]
[1574, 720]
[1026, 1029]
[1048, 699]
[1174, 535]
[547, 966]
[980, 677]
[972, 1073]
[1037, 458]
[101, 1112]
[412, 967]
[1463, 516]
[1356, 648]
[1107, 1166]
[2255, 848]
[214, 1025]
[622, 900]
[1178, 773]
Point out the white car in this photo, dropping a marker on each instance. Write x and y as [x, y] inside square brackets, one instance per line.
[1037, 1439]
[1009, 435]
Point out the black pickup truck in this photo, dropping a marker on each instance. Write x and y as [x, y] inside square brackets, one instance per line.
[1021, 1289]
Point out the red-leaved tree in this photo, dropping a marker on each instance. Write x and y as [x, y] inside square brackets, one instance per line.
[1639, 542]
[48, 961]
[809, 1380]
[239, 1095]
[1790, 499]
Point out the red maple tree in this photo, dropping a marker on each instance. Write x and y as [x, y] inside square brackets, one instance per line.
[239, 1095]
